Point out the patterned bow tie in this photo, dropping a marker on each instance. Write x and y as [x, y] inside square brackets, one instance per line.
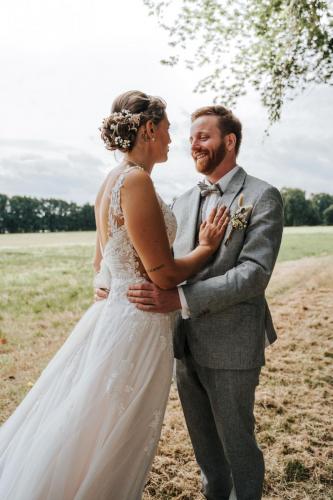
[206, 189]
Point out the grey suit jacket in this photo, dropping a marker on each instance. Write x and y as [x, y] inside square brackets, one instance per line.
[230, 319]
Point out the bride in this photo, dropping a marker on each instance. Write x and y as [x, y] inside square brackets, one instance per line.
[89, 428]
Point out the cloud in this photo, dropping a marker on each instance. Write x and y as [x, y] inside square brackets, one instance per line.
[298, 151]
[43, 169]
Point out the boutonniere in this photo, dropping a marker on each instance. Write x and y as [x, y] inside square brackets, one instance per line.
[239, 220]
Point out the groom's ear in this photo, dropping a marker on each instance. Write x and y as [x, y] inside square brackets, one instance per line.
[230, 142]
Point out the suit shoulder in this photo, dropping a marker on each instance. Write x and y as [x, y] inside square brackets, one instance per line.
[260, 186]
[183, 197]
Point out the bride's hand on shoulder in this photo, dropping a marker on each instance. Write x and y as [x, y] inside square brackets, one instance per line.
[214, 227]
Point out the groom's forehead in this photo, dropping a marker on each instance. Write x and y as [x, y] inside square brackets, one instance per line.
[205, 123]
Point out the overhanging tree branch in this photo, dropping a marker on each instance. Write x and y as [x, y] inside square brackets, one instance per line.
[278, 47]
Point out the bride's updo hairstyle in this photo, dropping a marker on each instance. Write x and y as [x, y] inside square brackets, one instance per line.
[129, 111]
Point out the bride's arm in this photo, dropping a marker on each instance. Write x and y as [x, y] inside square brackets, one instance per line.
[146, 228]
[97, 255]
[102, 279]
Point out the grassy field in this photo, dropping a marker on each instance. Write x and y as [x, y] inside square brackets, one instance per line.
[297, 242]
[45, 285]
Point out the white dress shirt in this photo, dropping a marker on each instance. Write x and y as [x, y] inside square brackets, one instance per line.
[208, 203]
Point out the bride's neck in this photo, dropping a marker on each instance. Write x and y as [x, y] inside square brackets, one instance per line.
[141, 160]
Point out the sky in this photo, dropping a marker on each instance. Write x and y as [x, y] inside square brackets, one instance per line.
[64, 61]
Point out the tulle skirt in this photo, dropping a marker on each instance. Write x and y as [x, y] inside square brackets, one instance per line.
[89, 427]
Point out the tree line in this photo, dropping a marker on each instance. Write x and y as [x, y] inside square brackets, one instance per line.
[24, 214]
[302, 211]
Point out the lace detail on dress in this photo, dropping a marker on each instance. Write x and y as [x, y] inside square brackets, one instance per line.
[119, 254]
[115, 211]
[115, 215]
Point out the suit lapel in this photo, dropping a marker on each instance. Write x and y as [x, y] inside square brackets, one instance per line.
[233, 188]
[188, 212]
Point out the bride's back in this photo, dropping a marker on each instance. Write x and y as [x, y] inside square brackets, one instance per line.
[118, 252]
[117, 248]
[102, 205]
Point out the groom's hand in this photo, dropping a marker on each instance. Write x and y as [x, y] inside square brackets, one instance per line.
[101, 294]
[148, 297]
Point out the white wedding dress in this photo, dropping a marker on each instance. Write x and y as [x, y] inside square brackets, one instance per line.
[89, 428]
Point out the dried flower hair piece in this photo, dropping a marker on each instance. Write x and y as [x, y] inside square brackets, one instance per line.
[116, 126]
[126, 117]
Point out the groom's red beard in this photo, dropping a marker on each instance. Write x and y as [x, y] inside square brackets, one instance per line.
[211, 160]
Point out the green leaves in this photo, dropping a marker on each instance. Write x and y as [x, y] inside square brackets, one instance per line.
[279, 47]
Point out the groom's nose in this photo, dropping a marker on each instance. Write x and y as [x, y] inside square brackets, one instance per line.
[195, 146]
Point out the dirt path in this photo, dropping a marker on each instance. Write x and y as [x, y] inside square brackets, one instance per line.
[294, 399]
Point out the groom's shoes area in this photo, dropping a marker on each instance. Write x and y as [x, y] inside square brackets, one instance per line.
[217, 493]
[232, 496]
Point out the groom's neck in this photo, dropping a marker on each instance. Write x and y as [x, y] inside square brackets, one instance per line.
[221, 170]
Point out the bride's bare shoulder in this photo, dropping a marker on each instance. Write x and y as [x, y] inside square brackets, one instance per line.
[136, 183]
[137, 178]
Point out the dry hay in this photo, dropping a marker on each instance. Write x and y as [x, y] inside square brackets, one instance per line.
[294, 398]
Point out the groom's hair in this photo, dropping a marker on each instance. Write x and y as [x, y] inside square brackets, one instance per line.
[228, 122]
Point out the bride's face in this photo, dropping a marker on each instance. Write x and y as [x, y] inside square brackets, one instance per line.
[161, 144]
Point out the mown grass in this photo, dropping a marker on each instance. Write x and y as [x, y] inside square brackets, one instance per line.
[45, 285]
[46, 278]
[296, 244]
[43, 292]
[293, 401]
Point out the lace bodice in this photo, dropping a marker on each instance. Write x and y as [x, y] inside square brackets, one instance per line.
[120, 256]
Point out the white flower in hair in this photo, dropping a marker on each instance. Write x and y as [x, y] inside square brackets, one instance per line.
[122, 118]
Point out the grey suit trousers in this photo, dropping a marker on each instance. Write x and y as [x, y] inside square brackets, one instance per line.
[218, 407]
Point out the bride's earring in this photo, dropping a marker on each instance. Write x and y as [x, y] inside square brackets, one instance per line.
[145, 136]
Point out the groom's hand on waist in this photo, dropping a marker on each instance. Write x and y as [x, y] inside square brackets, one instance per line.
[148, 297]
[101, 294]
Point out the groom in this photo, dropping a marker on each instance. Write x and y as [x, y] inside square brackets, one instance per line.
[220, 339]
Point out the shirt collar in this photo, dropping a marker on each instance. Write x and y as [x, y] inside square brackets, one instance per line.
[225, 179]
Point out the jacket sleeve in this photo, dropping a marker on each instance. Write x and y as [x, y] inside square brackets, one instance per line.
[255, 263]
